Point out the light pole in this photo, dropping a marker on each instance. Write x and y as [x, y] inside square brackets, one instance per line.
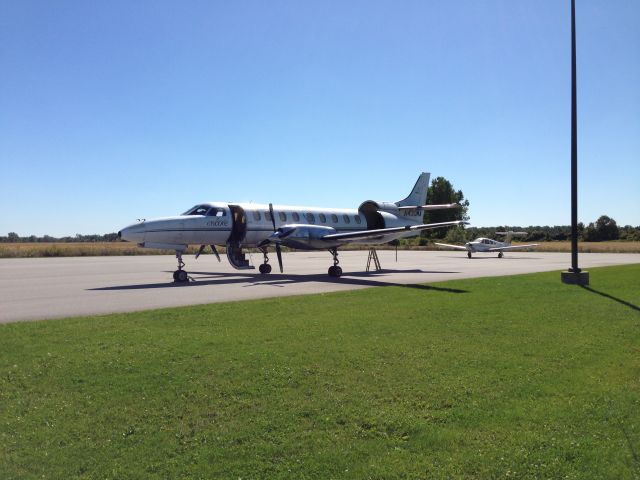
[574, 275]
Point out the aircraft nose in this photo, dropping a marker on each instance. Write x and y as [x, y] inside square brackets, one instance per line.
[132, 233]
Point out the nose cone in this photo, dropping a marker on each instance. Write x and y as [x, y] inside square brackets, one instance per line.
[133, 233]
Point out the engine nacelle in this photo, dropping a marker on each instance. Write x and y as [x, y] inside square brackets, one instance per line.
[373, 205]
[307, 237]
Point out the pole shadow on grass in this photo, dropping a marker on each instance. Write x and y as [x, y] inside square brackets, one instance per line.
[611, 297]
[366, 279]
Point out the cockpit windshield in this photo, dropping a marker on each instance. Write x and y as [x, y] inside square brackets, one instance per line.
[198, 210]
[206, 210]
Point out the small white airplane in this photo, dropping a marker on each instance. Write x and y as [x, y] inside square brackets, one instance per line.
[484, 245]
[248, 225]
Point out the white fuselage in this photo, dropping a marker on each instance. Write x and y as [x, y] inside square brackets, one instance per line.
[485, 245]
[249, 224]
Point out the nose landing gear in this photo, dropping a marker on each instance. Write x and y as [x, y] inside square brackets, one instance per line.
[335, 270]
[180, 275]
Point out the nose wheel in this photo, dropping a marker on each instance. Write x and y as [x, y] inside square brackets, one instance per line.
[469, 254]
[335, 270]
[180, 275]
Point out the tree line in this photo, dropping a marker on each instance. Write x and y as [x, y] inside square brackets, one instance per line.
[13, 237]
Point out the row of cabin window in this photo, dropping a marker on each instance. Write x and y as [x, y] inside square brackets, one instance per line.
[310, 217]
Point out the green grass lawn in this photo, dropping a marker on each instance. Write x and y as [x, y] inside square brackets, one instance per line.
[502, 377]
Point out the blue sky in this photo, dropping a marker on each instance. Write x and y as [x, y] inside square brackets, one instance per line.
[112, 111]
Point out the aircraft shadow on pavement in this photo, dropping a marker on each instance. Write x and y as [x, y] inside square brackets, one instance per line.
[367, 279]
[611, 297]
[487, 256]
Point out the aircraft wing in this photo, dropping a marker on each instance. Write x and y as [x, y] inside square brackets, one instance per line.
[381, 232]
[512, 247]
[454, 247]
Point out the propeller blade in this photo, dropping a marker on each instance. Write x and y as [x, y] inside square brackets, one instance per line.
[279, 253]
[273, 218]
[202, 247]
[215, 252]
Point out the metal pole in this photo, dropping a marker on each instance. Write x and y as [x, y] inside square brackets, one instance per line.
[574, 147]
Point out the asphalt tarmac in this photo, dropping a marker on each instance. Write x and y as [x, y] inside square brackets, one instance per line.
[46, 288]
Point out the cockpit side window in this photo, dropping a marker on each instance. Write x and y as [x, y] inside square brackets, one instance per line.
[216, 212]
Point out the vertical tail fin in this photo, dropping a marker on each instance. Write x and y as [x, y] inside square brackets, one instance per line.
[418, 195]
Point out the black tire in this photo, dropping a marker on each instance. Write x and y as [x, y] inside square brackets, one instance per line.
[335, 271]
[181, 276]
[500, 255]
[175, 275]
[469, 254]
[265, 268]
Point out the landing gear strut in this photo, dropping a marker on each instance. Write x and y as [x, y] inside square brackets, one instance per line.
[265, 268]
[180, 275]
[335, 270]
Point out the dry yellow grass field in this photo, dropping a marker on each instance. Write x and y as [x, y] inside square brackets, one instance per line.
[97, 249]
[75, 249]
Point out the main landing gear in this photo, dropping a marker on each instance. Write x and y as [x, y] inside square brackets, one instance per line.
[335, 270]
[180, 275]
[265, 268]
[500, 255]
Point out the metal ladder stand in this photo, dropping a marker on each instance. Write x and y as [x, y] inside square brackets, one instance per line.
[373, 255]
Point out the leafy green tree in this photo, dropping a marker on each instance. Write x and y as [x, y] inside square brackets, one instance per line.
[456, 235]
[605, 228]
[441, 191]
[13, 237]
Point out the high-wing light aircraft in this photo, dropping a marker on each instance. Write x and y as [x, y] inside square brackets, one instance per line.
[248, 225]
[489, 245]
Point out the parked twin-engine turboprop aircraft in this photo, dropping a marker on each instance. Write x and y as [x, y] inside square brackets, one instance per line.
[488, 245]
[248, 225]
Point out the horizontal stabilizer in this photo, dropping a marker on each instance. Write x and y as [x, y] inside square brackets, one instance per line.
[431, 207]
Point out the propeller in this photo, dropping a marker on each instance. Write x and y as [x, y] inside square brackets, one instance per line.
[278, 251]
[213, 249]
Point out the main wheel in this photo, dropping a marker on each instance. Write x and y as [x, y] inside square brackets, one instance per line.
[180, 276]
[264, 268]
[500, 255]
[335, 271]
